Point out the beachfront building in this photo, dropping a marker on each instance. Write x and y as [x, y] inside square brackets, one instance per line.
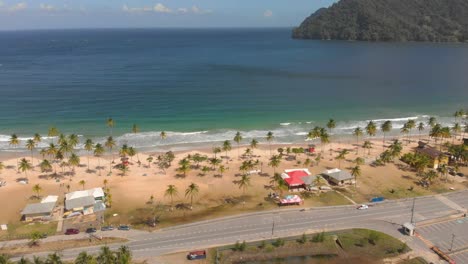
[297, 179]
[85, 202]
[42, 211]
[338, 177]
[437, 157]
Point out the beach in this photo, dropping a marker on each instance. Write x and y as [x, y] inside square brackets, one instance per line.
[134, 190]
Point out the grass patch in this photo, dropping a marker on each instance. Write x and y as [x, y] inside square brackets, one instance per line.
[55, 246]
[22, 230]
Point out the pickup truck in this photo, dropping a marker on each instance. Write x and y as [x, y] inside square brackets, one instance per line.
[199, 254]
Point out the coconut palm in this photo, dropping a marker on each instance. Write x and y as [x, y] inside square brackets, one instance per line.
[53, 132]
[98, 151]
[275, 161]
[37, 189]
[61, 139]
[359, 161]
[74, 161]
[184, 167]
[45, 166]
[54, 258]
[52, 152]
[106, 256]
[131, 152]
[238, 139]
[89, 146]
[324, 139]
[171, 191]
[65, 147]
[410, 124]
[110, 124]
[123, 255]
[215, 163]
[331, 124]
[192, 191]
[430, 176]
[82, 183]
[405, 131]
[135, 129]
[163, 135]
[356, 172]
[14, 142]
[367, 145]
[123, 152]
[227, 147]
[455, 130]
[73, 140]
[269, 138]
[314, 133]
[37, 138]
[216, 150]
[371, 129]
[341, 156]
[244, 183]
[443, 170]
[432, 121]
[84, 258]
[222, 169]
[253, 144]
[105, 182]
[357, 132]
[31, 145]
[24, 166]
[110, 144]
[420, 129]
[385, 127]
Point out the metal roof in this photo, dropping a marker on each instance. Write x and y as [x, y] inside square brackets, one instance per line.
[338, 175]
[38, 208]
[79, 202]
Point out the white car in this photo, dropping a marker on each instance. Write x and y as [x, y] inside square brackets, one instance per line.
[363, 207]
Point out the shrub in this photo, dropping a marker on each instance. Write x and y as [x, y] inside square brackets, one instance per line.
[303, 239]
[278, 242]
[263, 244]
[317, 238]
[269, 248]
[373, 237]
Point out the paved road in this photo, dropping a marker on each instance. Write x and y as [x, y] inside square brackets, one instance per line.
[385, 217]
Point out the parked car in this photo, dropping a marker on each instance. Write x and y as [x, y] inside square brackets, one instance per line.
[91, 230]
[72, 231]
[124, 227]
[452, 172]
[107, 228]
[199, 254]
[460, 174]
[363, 207]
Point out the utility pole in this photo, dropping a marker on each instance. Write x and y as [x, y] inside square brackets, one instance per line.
[412, 211]
[451, 244]
[273, 227]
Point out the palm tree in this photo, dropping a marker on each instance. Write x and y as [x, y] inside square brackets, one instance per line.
[171, 191]
[110, 144]
[371, 129]
[367, 145]
[89, 146]
[443, 170]
[14, 141]
[359, 161]
[331, 124]
[37, 138]
[37, 189]
[149, 159]
[184, 168]
[163, 135]
[455, 130]
[131, 152]
[84, 258]
[356, 172]
[216, 150]
[430, 176]
[420, 129]
[24, 166]
[45, 166]
[52, 152]
[238, 139]
[244, 183]
[275, 161]
[269, 138]
[432, 121]
[74, 161]
[61, 139]
[82, 183]
[385, 127]
[192, 191]
[222, 169]
[324, 139]
[54, 258]
[65, 147]
[227, 147]
[135, 129]
[341, 156]
[357, 133]
[411, 124]
[253, 144]
[73, 140]
[405, 131]
[105, 182]
[123, 169]
[106, 256]
[98, 151]
[215, 163]
[31, 145]
[53, 132]
[124, 255]
[110, 124]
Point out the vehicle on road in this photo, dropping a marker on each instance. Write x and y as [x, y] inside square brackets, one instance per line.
[107, 228]
[363, 207]
[124, 227]
[377, 199]
[72, 231]
[198, 254]
[91, 230]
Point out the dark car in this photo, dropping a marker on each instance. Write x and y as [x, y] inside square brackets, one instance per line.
[124, 227]
[72, 231]
[91, 230]
[107, 228]
[460, 174]
[452, 172]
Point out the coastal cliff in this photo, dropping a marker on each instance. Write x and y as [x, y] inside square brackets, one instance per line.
[388, 20]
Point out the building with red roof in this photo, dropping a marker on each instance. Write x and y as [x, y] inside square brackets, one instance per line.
[295, 178]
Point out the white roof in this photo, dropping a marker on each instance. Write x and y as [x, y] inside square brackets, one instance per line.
[332, 171]
[95, 192]
[50, 199]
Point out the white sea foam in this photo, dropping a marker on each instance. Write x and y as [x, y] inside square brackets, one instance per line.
[285, 124]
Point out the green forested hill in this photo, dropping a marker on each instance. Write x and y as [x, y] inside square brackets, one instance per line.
[389, 20]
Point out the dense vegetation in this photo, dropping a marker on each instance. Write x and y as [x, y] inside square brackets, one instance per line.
[389, 20]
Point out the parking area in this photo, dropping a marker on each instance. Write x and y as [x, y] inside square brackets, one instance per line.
[83, 222]
[451, 237]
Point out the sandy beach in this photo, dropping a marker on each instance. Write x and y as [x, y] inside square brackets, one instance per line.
[134, 190]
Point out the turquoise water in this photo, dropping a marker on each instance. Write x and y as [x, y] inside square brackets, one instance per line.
[201, 85]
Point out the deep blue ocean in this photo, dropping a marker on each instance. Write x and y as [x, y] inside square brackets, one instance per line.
[201, 85]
